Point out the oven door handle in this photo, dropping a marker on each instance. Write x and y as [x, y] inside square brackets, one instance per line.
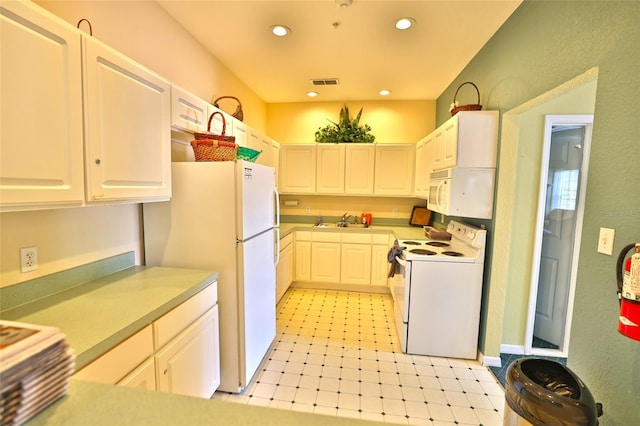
[401, 261]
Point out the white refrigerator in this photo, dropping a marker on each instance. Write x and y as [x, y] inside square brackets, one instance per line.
[224, 216]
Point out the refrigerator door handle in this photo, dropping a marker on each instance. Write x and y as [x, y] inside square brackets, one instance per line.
[277, 194]
[278, 246]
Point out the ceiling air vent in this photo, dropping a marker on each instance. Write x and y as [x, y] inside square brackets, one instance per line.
[325, 81]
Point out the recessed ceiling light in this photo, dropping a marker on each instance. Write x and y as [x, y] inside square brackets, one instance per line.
[280, 30]
[312, 94]
[384, 92]
[405, 23]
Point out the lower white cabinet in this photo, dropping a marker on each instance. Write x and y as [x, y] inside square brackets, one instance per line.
[190, 363]
[325, 262]
[143, 377]
[284, 270]
[302, 268]
[356, 259]
[379, 262]
[178, 353]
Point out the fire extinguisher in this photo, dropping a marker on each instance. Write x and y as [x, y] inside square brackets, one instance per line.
[628, 277]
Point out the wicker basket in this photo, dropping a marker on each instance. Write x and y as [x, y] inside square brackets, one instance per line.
[248, 154]
[238, 114]
[211, 147]
[455, 108]
[213, 150]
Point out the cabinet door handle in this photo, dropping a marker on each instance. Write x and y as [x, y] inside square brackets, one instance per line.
[166, 371]
[98, 161]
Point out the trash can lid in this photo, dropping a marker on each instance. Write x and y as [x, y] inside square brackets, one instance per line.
[547, 392]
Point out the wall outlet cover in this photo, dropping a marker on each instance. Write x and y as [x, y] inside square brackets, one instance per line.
[605, 241]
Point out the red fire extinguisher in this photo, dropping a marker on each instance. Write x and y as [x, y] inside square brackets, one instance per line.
[629, 291]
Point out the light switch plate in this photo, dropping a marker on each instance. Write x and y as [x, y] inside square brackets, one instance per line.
[605, 241]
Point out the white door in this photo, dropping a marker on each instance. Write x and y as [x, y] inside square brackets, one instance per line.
[255, 199]
[565, 162]
[256, 302]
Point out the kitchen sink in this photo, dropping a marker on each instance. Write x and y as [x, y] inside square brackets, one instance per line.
[341, 225]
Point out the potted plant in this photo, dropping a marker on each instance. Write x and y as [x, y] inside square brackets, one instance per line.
[346, 130]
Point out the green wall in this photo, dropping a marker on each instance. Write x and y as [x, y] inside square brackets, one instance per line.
[543, 45]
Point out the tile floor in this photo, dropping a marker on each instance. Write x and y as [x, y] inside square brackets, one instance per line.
[337, 353]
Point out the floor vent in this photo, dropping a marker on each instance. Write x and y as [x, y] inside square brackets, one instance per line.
[325, 81]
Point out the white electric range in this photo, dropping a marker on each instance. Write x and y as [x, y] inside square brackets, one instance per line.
[437, 293]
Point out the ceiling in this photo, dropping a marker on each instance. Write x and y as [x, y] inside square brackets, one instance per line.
[358, 45]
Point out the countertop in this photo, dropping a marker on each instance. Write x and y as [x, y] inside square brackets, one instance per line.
[98, 404]
[400, 232]
[100, 314]
[97, 315]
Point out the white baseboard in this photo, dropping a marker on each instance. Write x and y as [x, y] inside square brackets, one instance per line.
[489, 361]
[512, 349]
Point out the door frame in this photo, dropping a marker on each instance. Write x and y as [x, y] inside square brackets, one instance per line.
[585, 120]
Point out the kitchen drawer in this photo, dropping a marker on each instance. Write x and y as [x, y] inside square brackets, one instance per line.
[356, 238]
[172, 323]
[326, 237]
[119, 361]
[286, 240]
[381, 239]
[303, 235]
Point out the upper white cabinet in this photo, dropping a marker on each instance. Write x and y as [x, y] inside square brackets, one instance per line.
[330, 168]
[298, 174]
[41, 151]
[239, 130]
[104, 118]
[188, 112]
[127, 114]
[359, 169]
[394, 169]
[270, 150]
[351, 169]
[468, 139]
[424, 166]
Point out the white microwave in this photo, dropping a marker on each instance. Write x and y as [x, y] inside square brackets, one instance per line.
[463, 192]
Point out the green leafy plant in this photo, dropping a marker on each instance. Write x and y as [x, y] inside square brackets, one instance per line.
[346, 130]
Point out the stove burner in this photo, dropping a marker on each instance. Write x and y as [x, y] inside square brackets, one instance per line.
[412, 243]
[452, 253]
[422, 251]
[437, 244]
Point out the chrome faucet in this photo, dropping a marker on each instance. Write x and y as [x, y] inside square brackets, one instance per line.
[344, 221]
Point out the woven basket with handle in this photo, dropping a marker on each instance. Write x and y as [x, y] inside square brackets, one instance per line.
[211, 147]
[455, 108]
[238, 114]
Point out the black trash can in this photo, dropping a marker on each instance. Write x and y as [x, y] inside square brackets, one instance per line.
[544, 392]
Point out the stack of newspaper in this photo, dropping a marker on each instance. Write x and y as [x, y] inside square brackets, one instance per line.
[35, 365]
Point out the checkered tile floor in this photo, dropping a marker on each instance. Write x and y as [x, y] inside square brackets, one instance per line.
[337, 353]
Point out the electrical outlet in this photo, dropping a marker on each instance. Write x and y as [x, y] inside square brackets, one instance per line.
[307, 210]
[605, 241]
[28, 259]
[395, 212]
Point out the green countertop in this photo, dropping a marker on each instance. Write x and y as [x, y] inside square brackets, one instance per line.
[100, 314]
[97, 315]
[98, 404]
[400, 232]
